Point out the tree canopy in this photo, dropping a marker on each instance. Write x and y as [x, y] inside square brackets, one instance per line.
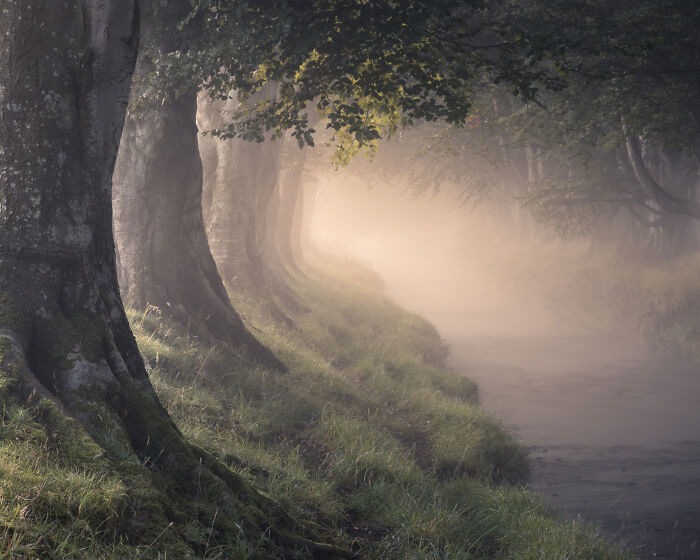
[366, 66]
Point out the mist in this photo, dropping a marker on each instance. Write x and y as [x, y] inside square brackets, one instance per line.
[609, 415]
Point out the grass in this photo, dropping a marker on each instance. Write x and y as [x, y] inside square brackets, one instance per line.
[368, 435]
[655, 299]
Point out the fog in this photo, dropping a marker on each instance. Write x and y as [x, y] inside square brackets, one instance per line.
[611, 423]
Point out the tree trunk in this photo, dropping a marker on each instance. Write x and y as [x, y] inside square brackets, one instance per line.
[296, 238]
[63, 329]
[306, 206]
[288, 230]
[164, 255]
[66, 348]
[277, 276]
[243, 207]
[658, 193]
[241, 187]
[666, 178]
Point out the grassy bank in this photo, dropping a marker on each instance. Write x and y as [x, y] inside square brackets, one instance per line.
[368, 439]
[656, 300]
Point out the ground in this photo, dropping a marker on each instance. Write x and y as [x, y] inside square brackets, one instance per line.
[369, 441]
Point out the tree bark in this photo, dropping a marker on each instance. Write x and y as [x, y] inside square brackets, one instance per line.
[63, 329]
[306, 206]
[243, 194]
[665, 199]
[66, 348]
[664, 180]
[245, 178]
[288, 230]
[164, 255]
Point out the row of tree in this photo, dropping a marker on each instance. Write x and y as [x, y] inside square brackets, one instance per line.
[72, 162]
[65, 82]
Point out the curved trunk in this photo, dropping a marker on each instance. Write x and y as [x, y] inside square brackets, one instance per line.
[276, 273]
[164, 255]
[304, 216]
[66, 348]
[296, 238]
[63, 329]
[667, 179]
[243, 197]
[288, 230]
[669, 201]
[241, 187]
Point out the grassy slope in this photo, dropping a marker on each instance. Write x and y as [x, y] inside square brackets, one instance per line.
[630, 294]
[657, 300]
[367, 435]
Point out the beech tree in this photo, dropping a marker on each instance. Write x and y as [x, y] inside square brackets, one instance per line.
[241, 188]
[66, 348]
[420, 65]
[63, 329]
[287, 233]
[614, 153]
[164, 254]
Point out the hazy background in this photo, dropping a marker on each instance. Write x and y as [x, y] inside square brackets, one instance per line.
[611, 421]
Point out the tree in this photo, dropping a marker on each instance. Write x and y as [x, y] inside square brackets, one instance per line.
[627, 124]
[66, 348]
[287, 234]
[384, 69]
[353, 61]
[241, 188]
[164, 255]
[615, 150]
[63, 328]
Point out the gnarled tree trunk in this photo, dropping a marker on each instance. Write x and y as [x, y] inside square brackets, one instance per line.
[164, 255]
[66, 348]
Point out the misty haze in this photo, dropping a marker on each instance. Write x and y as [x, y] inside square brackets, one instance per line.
[609, 413]
[371, 279]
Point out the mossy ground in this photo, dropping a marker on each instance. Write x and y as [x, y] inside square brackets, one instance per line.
[368, 437]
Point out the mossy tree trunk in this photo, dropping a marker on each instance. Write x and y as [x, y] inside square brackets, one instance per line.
[66, 348]
[62, 324]
[164, 254]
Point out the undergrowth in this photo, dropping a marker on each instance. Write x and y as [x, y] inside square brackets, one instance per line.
[657, 300]
[368, 435]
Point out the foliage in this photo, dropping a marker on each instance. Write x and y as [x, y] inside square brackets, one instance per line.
[366, 67]
[631, 76]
